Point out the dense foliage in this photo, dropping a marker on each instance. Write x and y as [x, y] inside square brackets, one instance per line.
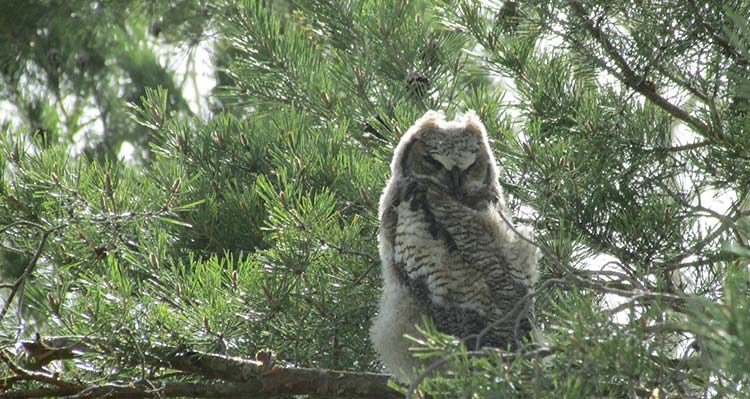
[246, 221]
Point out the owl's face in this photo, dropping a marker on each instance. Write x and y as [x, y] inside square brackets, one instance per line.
[455, 156]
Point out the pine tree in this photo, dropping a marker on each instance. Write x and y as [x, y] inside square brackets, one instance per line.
[235, 255]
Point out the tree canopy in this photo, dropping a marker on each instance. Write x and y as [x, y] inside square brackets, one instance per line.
[159, 240]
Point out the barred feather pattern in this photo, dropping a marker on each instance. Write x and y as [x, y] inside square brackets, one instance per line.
[446, 248]
[459, 270]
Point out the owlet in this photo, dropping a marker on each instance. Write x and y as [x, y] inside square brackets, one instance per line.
[446, 251]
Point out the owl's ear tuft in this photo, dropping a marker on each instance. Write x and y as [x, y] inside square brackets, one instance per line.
[473, 124]
[430, 120]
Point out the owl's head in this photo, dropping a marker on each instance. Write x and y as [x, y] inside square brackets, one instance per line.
[453, 155]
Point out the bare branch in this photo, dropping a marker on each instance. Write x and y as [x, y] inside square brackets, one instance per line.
[686, 147]
[188, 389]
[36, 393]
[22, 374]
[232, 376]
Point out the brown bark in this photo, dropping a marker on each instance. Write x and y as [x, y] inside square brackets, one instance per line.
[201, 375]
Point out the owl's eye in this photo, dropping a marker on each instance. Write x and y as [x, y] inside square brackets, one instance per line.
[431, 160]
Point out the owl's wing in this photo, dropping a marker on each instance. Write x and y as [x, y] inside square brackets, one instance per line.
[450, 261]
[486, 280]
[427, 261]
[389, 217]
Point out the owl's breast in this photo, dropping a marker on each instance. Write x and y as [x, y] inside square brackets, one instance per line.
[433, 267]
[481, 240]
[417, 245]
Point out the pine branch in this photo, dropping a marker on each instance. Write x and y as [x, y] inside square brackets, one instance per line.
[17, 287]
[634, 294]
[638, 83]
[228, 376]
[724, 44]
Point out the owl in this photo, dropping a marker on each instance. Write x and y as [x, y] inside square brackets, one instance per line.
[447, 253]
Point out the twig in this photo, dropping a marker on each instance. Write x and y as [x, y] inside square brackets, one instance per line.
[515, 311]
[343, 250]
[18, 285]
[505, 356]
[426, 372]
[362, 276]
[685, 147]
[594, 285]
[19, 223]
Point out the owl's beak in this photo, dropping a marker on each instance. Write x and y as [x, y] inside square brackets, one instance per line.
[456, 176]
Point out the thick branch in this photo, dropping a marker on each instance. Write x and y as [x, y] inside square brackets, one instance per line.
[232, 376]
[631, 79]
[175, 390]
[37, 393]
[275, 379]
[22, 374]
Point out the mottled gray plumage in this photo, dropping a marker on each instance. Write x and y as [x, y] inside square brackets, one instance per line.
[446, 251]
